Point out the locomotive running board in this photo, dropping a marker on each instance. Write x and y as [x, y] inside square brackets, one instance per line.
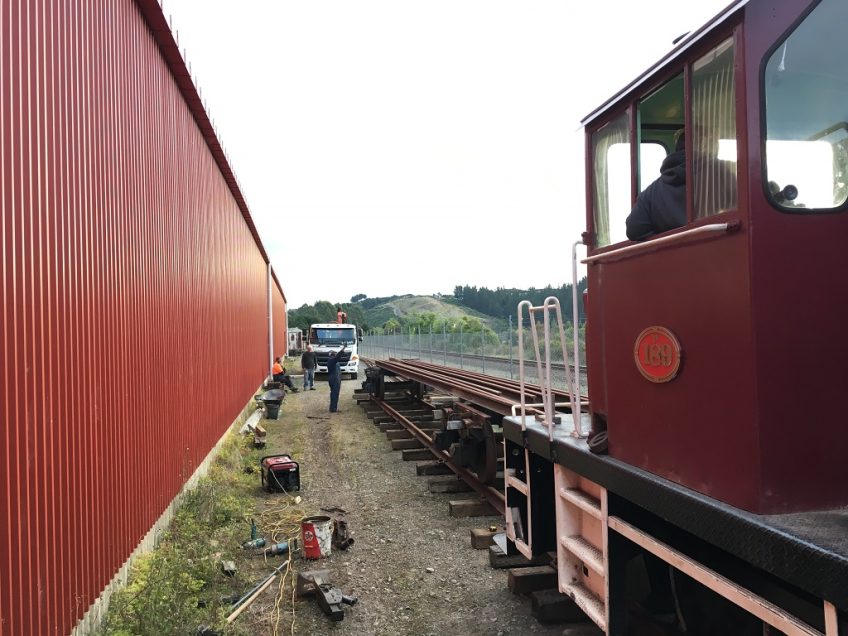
[733, 592]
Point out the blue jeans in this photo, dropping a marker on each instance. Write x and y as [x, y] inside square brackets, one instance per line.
[335, 387]
[308, 378]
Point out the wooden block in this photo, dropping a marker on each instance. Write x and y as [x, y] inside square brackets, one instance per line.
[400, 433]
[531, 579]
[389, 426]
[482, 538]
[499, 560]
[402, 444]
[382, 419]
[550, 606]
[410, 413]
[416, 454]
[432, 467]
[471, 508]
[450, 485]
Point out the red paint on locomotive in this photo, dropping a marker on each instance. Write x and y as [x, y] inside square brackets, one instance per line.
[755, 418]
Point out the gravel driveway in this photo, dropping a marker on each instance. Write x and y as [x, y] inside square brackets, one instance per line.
[412, 566]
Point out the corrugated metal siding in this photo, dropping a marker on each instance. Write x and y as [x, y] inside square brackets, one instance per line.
[280, 320]
[134, 301]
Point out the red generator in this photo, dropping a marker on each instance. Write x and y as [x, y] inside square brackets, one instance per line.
[280, 473]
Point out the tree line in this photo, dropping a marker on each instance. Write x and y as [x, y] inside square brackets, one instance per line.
[498, 303]
[502, 302]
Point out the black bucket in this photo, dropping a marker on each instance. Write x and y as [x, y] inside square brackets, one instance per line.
[272, 410]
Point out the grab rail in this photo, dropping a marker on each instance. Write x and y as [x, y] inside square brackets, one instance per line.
[713, 228]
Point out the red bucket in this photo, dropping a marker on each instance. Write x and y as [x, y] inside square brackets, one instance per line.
[317, 536]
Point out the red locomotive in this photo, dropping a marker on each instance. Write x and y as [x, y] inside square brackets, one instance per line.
[715, 345]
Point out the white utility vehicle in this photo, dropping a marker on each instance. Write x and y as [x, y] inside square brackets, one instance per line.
[327, 337]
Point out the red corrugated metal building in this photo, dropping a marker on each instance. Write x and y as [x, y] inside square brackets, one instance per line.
[136, 296]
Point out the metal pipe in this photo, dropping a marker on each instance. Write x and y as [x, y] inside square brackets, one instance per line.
[510, 346]
[575, 389]
[270, 322]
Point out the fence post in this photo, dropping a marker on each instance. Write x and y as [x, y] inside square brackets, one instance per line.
[482, 350]
[431, 343]
[419, 342]
[445, 341]
[510, 346]
[460, 346]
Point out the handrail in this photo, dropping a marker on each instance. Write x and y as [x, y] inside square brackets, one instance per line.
[575, 389]
[664, 240]
[551, 303]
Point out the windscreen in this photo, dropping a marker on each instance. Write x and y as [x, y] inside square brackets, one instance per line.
[332, 336]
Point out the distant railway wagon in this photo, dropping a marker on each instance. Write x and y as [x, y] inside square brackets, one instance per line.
[710, 496]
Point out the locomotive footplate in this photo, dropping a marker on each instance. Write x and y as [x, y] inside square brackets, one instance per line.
[808, 551]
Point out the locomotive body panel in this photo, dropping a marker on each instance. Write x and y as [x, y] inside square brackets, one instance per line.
[680, 429]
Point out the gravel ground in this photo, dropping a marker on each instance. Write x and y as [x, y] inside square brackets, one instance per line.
[412, 566]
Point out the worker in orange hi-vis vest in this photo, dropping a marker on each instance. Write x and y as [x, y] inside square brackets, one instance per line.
[278, 374]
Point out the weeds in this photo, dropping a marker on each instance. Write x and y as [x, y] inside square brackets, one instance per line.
[179, 586]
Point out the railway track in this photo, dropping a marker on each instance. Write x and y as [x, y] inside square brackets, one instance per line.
[453, 413]
[434, 354]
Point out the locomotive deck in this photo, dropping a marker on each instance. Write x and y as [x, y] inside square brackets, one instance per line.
[806, 550]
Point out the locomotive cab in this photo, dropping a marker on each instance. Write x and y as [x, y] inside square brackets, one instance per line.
[716, 347]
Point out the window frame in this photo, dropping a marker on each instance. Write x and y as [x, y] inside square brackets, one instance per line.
[764, 181]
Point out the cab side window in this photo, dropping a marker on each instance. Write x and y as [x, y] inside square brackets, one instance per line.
[713, 138]
[806, 95]
[611, 173]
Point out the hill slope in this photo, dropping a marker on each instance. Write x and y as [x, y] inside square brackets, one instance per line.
[408, 305]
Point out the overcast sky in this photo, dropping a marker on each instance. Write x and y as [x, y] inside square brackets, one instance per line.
[389, 147]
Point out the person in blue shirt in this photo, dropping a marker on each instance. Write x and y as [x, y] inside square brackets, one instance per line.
[334, 377]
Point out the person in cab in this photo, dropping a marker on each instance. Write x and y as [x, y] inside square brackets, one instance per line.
[662, 205]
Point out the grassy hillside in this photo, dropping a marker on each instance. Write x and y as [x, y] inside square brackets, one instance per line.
[445, 307]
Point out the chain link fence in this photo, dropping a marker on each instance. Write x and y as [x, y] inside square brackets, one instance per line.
[487, 351]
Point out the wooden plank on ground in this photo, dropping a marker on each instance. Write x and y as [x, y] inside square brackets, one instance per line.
[450, 485]
[551, 606]
[403, 444]
[471, 508]
[400, 433]
[416, 454]
[499, 560]
[531, 579]
[389, 426]
[482, 538]
[432, 467]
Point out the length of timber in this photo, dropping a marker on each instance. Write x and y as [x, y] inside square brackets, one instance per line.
[498, 395]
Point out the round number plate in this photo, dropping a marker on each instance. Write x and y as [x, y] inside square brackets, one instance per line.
[657, 354]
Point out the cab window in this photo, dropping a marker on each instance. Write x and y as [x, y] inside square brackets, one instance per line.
[713, 138]
[611, 159]
[806, 104]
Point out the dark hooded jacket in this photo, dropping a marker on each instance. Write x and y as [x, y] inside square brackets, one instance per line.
[662, 205]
